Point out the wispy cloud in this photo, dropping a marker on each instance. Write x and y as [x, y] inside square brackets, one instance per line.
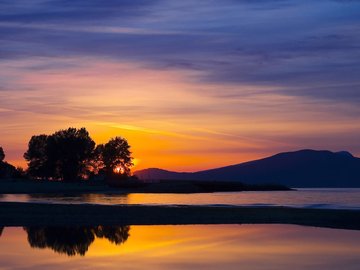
[280, 43]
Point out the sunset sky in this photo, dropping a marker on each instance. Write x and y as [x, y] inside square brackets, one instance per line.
[191, 84]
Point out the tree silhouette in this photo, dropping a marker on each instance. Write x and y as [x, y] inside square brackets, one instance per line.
[70, 241]
[6, 170]
[70, 154]
[71, 150]
[116, 156]
[38, 158]
[74, 240]
[96, 164]
[64, 155]
[115, 234]
[2, 154]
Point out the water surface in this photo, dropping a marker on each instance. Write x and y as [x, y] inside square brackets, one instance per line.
[308, 198]
[180, 247]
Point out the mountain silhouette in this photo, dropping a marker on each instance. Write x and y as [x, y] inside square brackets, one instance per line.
[304, 168]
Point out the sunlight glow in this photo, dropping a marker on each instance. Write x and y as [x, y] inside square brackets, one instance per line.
[118, 170]
[173, 130]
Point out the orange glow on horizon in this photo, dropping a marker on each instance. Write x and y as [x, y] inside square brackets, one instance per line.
[167, 121]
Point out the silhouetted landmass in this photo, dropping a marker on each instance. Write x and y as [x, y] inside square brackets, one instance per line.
[304, 168]
[21, 186]
[31, 214]
[195, 186]
[74, 240]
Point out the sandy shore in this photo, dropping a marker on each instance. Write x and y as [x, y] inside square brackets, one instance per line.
[32, 214]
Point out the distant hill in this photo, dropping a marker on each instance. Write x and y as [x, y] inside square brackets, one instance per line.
[304, 168]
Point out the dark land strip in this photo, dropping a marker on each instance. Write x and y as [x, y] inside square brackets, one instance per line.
[35, 214]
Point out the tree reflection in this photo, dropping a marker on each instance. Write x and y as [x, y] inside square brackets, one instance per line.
[74, 240]
[1, 230]
[81, 198]
[115, 234]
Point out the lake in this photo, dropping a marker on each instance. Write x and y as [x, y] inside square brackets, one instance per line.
[301, 198]
[246, 246]
[179, 247]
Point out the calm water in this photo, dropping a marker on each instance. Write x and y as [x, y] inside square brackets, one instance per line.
[312, 198]
[180, 247]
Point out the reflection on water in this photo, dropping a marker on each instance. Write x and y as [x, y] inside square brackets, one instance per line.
[180, 247]
[314, 198]
[74, 240]
[78, 198]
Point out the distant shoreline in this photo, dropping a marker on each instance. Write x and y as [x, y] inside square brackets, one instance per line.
[24, 186]
[34, 214]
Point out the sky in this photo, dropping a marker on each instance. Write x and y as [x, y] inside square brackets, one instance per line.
[191, 84]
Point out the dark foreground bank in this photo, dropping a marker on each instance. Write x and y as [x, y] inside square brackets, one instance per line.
[31, 214]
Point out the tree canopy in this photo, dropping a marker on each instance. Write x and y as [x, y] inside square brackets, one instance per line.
[63, 155]
[37, 157]
[116, 156]
[2, 154]
[7, 170]
[70, 154]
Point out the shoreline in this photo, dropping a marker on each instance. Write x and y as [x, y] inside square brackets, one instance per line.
[21, 186]
[36, 214]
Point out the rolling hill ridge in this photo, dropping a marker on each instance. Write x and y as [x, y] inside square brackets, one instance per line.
[303, 168]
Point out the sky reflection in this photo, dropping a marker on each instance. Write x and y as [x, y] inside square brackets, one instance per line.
[308, 198]
[197, 246]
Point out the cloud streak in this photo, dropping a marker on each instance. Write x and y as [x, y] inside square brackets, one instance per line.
[281, 43]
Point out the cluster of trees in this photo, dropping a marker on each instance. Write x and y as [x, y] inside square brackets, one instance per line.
[71, 154]
[7, 170]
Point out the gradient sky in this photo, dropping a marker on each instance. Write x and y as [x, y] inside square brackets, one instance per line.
[190, 84]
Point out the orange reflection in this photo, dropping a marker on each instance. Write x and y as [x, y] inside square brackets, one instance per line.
[193, 246]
